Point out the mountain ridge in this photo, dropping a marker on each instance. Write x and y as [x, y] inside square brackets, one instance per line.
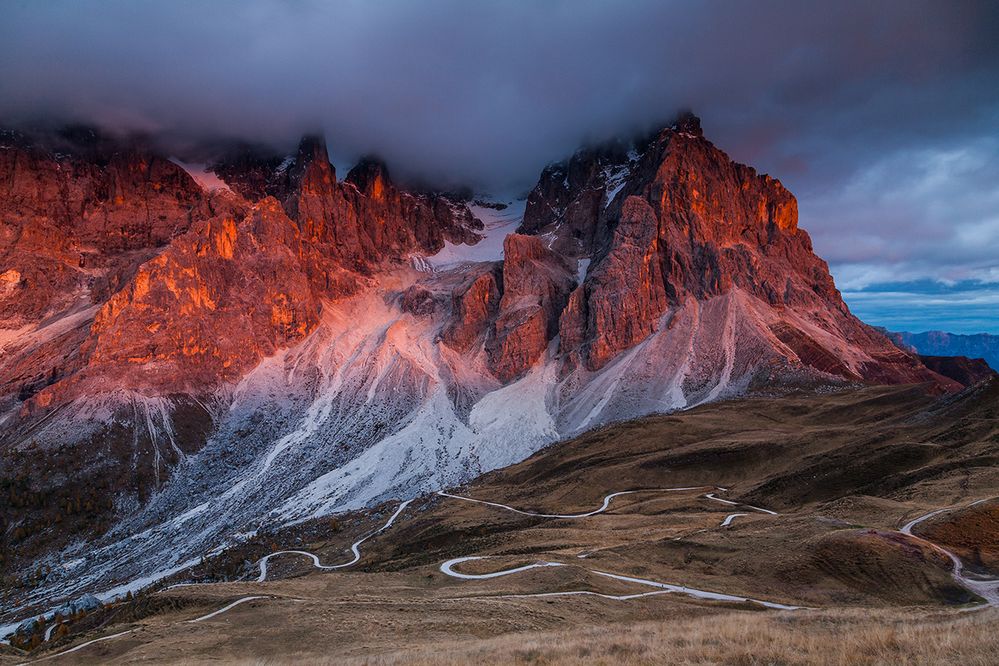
[941, 343]
[287, 348]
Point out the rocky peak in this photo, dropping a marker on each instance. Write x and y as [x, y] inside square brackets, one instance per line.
[359, 222]
[678, 222]
[254, 171]
[371, 177]
[312, 149]
[536, 286]
[311, 174]
[571, 195]
[687, 123]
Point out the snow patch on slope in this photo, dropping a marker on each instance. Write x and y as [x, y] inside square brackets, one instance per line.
[436, 448]
[497, 225]
[406, 461]
[615, 178]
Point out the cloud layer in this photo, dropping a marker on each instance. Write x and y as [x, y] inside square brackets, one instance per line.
[882, 117]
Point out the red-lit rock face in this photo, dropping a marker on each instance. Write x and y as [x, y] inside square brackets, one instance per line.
[362, 220]
[474, 307]
[678, 221]
[536, 286]
[181, 317]
[75, 223]
[191, 289]
[188, 291]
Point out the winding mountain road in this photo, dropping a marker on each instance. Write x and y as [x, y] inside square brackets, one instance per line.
[355, 548]
[78, 647]
[447, 568]
[986, 588]
[711, 496]
[603, 507]
[607, 500]
[226, 608]
[262, 564]
[129, 631]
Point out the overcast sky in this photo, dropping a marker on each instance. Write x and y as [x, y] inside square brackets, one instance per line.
[882, 117]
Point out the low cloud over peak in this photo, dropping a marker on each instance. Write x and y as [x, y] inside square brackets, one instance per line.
[870, 112]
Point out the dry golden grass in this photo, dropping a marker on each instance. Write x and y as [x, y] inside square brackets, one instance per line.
[840, 638]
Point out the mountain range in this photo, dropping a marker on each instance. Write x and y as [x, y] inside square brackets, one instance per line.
[194, 354]
[940, 343]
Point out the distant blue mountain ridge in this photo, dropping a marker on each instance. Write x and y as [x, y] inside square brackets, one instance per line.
[941, 343]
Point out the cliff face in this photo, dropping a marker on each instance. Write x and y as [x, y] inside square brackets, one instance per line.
[78, 223]
[536, 286]
[132, 300]
[285, 338]
[673, 221]
[361, 220]
[187, 289]
[224, 295]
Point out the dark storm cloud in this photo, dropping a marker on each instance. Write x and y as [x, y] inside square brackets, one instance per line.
[881, 116]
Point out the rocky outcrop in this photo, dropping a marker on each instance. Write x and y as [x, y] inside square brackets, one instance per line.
[473, 309]
[626, 290]
[78, 213]
[679, 222]
[966, 371]
[400, 222]
[223, 296]
[253, 171]
[361, 221]
[536, 286]
[570, 197]
[510, 310]
[418, 300]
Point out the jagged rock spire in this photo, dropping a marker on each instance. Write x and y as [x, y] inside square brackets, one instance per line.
[370, 176]
[687, 123]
